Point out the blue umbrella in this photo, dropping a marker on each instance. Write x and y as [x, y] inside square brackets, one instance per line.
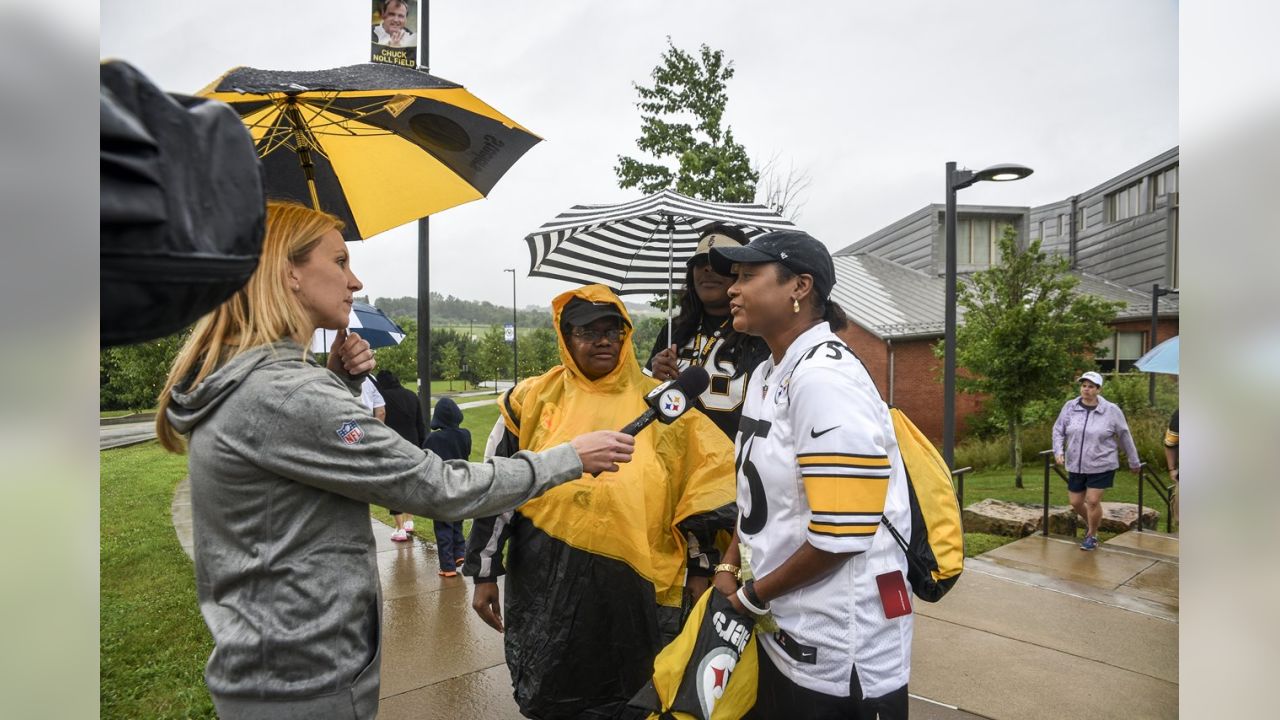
[1162, 358]
[366, 320]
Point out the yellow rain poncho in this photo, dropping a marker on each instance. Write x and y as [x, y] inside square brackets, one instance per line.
[677, 471]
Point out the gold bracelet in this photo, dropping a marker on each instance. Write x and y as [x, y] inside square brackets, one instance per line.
[732, 569]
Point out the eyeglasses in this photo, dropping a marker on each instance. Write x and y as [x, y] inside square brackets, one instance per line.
[589, 335]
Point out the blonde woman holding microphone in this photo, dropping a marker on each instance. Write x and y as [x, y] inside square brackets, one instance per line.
[284, 462]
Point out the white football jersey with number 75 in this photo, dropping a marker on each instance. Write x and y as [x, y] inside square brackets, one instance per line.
[818, 462]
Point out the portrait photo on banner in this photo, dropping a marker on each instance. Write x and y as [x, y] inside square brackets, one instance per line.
[395, 32]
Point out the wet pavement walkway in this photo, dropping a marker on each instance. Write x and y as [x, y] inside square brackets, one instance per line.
[1036, 628]
[1039, 628]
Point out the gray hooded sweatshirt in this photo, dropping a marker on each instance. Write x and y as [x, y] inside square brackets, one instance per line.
[284, 463]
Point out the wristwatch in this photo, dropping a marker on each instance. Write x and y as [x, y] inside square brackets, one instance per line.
[731, 569]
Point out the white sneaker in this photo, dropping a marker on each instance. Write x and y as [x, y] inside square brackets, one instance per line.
[408, 526]
[400, 536]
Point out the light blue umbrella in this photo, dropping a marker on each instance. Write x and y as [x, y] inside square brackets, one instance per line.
[1162, 358]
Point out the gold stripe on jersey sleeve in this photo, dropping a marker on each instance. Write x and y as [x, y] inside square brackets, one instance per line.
[844, 495]
[851, 530]
[843, 460]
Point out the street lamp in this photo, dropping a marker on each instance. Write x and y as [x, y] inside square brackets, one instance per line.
[1157, 292]
[958, 180]
[515, 353]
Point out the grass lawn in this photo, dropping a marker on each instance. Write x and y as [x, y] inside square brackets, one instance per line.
[154, 643]
[442, 386]
[999, 484]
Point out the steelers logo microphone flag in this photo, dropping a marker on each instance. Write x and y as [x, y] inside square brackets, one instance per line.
[709, 671]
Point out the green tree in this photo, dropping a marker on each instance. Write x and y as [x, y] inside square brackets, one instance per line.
[130, 377]
[469, 350]
[646, 334]
[449, 310]
[449, 360]
[1024, 331]
[493, 356]
[401, 359]
[699, 158]
[539, 352]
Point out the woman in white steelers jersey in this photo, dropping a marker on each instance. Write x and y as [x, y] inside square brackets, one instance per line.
[818, 468]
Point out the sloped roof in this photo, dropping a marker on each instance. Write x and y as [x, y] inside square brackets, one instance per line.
[895, 302]
[888, 299]
[1137, 301]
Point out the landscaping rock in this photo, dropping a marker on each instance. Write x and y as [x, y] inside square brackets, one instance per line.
[1063, 520]
[1122, 517]
[1011, 519]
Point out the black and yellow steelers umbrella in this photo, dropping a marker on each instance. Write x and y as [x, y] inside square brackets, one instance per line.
[377, 145]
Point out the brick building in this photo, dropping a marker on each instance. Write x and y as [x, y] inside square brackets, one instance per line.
[1120, 237]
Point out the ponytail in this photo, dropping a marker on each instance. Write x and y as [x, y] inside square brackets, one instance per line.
[834, 315]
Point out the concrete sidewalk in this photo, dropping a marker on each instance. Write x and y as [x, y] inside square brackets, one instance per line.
[1039, 628]
[123, 434]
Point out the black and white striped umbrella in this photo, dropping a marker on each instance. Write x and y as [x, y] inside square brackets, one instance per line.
[634, 247]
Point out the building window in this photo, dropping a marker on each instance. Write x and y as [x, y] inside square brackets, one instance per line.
[1118, 353]
[1063, 225]
[1081, 224]
[1163, 183]
[1124, 203]
[976, 240]
[1044, 226]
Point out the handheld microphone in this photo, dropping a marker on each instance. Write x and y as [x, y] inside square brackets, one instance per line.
[670, 400]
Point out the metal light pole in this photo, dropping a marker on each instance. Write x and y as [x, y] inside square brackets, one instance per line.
[515, 333]
[471, 337]
[1157, 292]
[958, 180]
[424, 258]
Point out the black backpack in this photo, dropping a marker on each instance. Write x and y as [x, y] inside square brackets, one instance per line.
[183, 207]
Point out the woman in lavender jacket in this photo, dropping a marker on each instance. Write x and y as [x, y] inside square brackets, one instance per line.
[1085, 438]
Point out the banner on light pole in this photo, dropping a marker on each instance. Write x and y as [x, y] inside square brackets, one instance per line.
[509, 332]
[395, 32]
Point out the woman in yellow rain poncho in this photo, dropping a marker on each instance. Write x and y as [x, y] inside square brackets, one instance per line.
[595, 574]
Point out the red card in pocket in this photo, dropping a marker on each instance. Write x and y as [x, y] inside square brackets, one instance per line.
[894, 595]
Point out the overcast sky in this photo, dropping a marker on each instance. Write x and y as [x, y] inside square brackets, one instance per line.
[870, 98]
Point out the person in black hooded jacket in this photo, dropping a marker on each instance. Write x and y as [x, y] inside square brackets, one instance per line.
[450, 442]
[404, 415]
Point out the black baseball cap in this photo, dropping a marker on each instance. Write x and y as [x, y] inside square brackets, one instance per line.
[798, 251]
[579, 312]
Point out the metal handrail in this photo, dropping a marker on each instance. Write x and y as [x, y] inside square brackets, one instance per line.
[1148, 474]
[1049, 466]
[958, 480]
